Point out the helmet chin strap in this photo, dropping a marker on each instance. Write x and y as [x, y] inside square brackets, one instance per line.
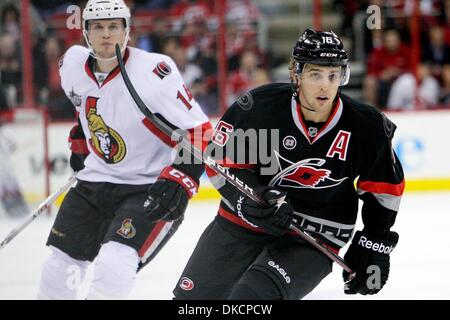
[312, 110]
[295, 88]
[95, 56]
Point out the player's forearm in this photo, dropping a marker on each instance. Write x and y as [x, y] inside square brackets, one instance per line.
[375, 216]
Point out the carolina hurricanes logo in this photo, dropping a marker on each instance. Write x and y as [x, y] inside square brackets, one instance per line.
[308, 176]
[306, 173]
[186, 284]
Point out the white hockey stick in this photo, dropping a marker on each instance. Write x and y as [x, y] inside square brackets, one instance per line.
[42, 208]
[211, 163]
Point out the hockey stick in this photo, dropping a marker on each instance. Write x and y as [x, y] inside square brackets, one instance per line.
[42, 208]
[211, 163]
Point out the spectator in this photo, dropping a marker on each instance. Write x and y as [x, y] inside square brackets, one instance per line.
[206, 99]
[155, 4]
[195, 35]
[170, 46]
[153, 42]
[436, 52]
[49, 88]
[247, 77]
[447, 21]
[10, 21]
[189, 71]
[10, 70]
[3, 104]
[242, 13]
[444, 96]
[407, 94]
[384, 66]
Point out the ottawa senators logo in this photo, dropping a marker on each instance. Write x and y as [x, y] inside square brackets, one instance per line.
[105, 141]
[127, 230]
[306, 173]
[162, 70]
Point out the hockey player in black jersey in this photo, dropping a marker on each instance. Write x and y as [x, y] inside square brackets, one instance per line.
[326, 152]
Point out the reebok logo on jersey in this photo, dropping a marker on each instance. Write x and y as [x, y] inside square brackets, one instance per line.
[186, 284]
[280, 271]
[375, 246]
[162, 70]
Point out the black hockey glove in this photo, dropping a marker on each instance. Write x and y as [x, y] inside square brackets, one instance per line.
[168, 197]
[78, 146]
[275, 219]
[368, 257]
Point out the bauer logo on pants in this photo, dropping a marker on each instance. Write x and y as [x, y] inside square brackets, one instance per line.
[127, 230]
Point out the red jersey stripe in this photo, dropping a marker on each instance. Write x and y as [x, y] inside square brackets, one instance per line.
[161, 135]
[201, 135]
[382, 187]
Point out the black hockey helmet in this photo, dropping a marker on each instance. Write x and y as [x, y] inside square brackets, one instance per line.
[320, 48]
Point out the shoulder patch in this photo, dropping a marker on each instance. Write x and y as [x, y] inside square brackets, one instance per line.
[245, 101]
[162, 69]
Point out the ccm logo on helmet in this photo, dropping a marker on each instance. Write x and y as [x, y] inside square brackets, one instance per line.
[329, 55]
[377, 247]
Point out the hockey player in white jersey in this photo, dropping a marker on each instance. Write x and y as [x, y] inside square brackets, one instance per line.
[132, 188]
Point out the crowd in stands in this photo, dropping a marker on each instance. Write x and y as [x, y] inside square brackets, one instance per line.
[393, 79]
[187, 31]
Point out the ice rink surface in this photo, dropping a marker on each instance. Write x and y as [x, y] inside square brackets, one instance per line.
[420, 265]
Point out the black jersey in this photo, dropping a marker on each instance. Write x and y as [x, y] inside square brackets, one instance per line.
[324, 167]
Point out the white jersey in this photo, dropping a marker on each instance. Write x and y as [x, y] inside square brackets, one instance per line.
[124, 147]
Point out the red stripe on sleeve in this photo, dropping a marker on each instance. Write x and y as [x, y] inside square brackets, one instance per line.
[382, 187]
[78, 146]
[200, 135]
[161, 135]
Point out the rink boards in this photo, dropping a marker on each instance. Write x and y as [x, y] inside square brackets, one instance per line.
[421, 142]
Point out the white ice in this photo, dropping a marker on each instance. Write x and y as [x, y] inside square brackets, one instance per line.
[420, 265]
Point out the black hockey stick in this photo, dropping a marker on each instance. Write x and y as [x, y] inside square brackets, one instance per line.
[180, 138]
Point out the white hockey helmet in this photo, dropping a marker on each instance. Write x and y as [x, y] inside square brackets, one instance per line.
[106, 9]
